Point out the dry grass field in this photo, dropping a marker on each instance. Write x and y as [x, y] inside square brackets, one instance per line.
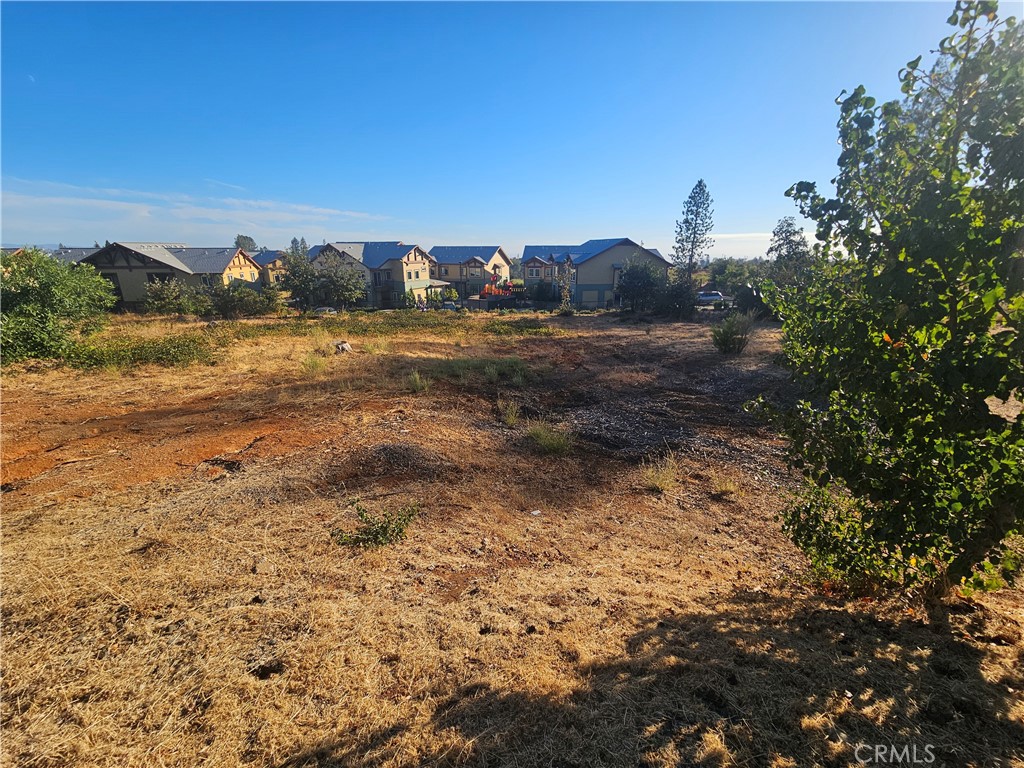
[594, 576]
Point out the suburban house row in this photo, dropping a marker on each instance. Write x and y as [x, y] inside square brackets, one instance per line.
[391, 269]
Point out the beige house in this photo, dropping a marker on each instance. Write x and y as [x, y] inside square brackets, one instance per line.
[469, 267]
[130, 267]
[392, 269]
[594, 266]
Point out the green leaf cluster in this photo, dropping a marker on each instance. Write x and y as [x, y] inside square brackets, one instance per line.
[47, 303]
[909, 325]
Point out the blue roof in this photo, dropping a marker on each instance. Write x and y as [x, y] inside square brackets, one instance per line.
[459, 254]
[372, 254]
[265, 257]
[579, 253]
[544, 251]
[312, 252]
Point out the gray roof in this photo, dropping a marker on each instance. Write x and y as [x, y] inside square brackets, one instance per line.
[72, 255]
[374, 254]
[460, 254]
[205, 261]
[158, 251]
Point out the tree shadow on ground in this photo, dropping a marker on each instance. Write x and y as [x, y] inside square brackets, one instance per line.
[756, 681]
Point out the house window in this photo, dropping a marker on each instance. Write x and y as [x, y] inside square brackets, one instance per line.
[535, 272]
[277, 278]
[444, 271]
[417, 274]
[547, 272]
[158, 277]
[387, 274]
[252, 277]
[462, 271]
[206, 280]
[408, 275]
[474, 272]
[394, 296]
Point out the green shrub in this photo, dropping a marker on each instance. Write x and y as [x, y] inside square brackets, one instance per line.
[46, 302]
[548, 439]
[377, 530]
[730, 337]
[521, 326]
[239, 300]
[174, 297]
[125, 352]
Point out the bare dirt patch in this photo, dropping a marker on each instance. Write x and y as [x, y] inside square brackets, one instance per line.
[172, 593]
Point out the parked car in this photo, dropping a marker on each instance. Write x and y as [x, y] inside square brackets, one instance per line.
[325, 311]
[709, 298]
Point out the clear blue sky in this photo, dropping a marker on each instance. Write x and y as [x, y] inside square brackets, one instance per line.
[431, 123]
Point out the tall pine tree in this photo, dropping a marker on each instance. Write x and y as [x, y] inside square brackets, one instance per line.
[693, 240]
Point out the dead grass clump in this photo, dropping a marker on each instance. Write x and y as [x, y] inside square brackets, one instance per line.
[724, 486]
[662, 475]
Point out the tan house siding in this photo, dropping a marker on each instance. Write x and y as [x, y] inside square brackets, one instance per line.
[597, 277]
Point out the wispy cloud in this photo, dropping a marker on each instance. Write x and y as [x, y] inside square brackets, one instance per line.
[45, 211]
[224, 184]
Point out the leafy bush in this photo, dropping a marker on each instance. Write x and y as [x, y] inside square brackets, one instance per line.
[677, 299]
[174, 297]
[730, 337]
[639, 285]
[910, 321]
[46, 302]
[239, 300]
[377, 530]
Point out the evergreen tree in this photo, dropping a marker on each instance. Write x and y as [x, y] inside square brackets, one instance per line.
[693, 232]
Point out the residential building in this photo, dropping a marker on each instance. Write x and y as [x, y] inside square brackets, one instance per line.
[469, 267]
[392, 269]
[594, 268]
[132, 266]
[271, 265]
[72, 255]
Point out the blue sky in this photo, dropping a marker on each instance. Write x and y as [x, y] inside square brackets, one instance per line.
[430, 123]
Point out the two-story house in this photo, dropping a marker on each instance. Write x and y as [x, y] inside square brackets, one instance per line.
[469, 267]
[392, 269]
[594, 268]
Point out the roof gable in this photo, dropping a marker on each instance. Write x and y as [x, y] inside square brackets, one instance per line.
[210, 261]
[157, 251]
[460, 254]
